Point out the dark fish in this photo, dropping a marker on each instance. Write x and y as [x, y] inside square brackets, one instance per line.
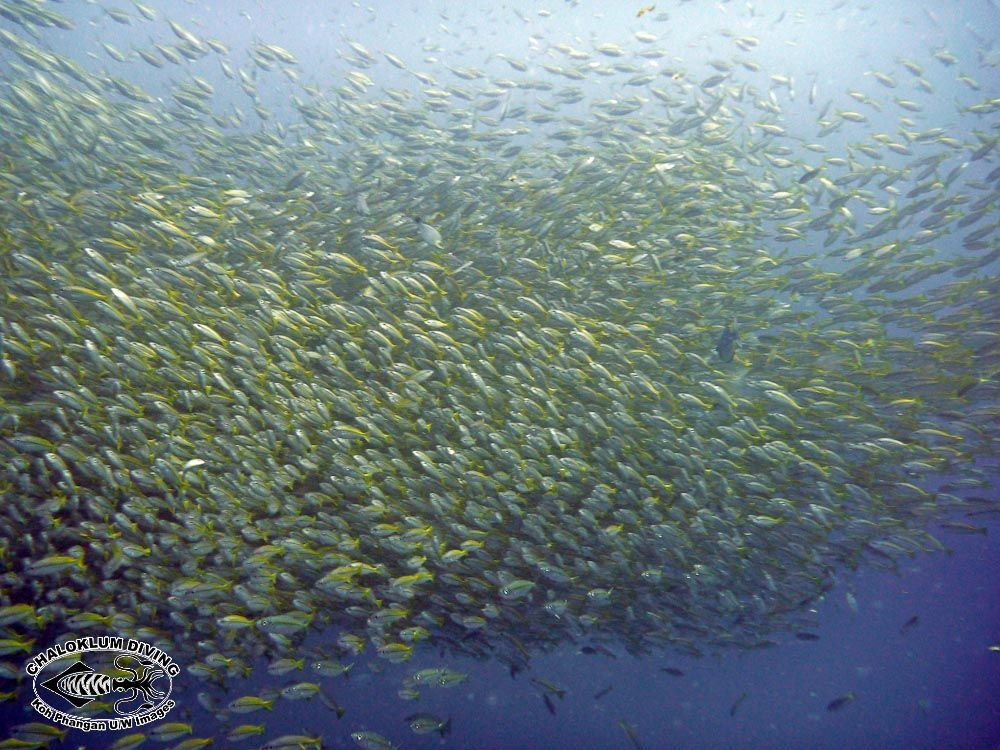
[909, 624]
[672, 670]
[631, 734]
[598, 650]
[804, 636]
[725, 347]
[973, 382]
[548, 687]
[809, 175]
[601, 693]
[983, 150]
[736, 703]
[549, 704]
[296, 180]
[838, 703]
[332, 704]
[516, 664]
[963, 528]
[713, 81]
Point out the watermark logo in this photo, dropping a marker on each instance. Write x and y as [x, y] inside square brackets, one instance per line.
[133, 679]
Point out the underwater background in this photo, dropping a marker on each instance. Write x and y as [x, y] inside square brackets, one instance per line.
[506, 375]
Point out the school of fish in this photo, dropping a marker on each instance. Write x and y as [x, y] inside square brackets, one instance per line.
[484, 363]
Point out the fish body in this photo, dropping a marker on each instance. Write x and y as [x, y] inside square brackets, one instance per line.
[428, 234]
[725, 346]
[838, 703]
[249, 703]
[631, 733]
[424, 723]
[372, 741]
[736, 704]
[549, 705]
[293, 742]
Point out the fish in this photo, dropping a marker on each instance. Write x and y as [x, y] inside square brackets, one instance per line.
[276, 418]
[244, 731]
[961, 527]
[549, 705]
[250, 703]
[293, 741]
[909, 624]
[285, 623]
[672, 671]
[809, 174]
[128, 741]
[55, 565]
[946, 57]
[36, 731]
[424, 723]
[631, 733]
[332, 705]
[331, 668]
[24, 614]
[300, 691]
[713, 81]
[372, 741]
[450, 678]
[838, 703]
[725, 345]
[193, 743]
[428, 234]
[549, 688]
[736, 704]
[170, 731]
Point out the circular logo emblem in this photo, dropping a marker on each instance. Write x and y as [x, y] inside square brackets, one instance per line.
[102, 683]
